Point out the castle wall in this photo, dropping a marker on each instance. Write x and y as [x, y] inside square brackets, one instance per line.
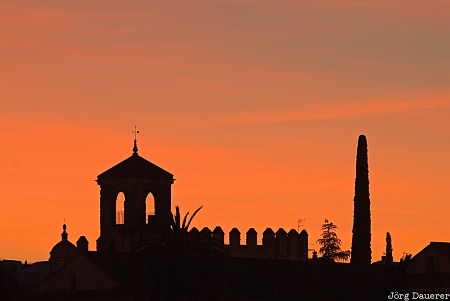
[275, 245]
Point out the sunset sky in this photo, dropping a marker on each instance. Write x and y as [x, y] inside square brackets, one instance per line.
[255, 107]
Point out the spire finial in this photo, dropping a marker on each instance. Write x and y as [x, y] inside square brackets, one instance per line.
[135, 149]
[64, 233]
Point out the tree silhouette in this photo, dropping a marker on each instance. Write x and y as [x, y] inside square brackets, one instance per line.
[361, 251]
[181, 266]
[389, 257]
[178, 230]
[331, 244]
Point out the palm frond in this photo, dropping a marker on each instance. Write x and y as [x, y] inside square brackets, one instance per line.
[172, 221]
[177, 216]
[184, 220]
[190, 220]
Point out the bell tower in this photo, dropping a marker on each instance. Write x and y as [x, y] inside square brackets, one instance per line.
[136, 178]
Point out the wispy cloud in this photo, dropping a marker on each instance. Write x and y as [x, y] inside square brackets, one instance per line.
[341, 110]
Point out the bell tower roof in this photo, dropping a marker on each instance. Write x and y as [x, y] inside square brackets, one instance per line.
[136, 167]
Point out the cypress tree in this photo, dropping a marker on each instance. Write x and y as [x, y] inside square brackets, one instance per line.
[389, 257]
[361, 251]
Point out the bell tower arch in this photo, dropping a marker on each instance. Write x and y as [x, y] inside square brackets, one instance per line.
[136, 178]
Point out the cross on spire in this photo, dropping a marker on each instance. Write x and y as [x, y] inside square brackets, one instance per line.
[135, 132]
[135, 149]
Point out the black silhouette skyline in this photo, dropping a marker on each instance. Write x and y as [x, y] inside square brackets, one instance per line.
[157, 257]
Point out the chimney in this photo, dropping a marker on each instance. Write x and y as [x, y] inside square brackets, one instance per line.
[82, 244]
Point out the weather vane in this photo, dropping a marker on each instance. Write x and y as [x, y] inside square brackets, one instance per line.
[135, 132]
[135, 149]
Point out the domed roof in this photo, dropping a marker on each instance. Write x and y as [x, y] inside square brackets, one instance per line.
[64, 247]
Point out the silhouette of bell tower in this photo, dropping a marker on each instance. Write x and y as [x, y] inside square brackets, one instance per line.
[136, 178]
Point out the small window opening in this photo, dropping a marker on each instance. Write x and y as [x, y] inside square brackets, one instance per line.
[149, 209]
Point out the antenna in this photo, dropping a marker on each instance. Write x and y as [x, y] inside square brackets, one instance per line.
[299, 223]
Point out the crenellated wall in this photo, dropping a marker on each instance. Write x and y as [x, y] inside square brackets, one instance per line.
[278, 245]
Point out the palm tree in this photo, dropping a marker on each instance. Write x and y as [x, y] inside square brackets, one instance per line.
[179, 231]
[182, 266]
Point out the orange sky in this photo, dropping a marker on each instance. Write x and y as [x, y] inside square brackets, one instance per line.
[254, 106]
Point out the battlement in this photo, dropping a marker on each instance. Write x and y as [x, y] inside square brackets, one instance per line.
[278, 245]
